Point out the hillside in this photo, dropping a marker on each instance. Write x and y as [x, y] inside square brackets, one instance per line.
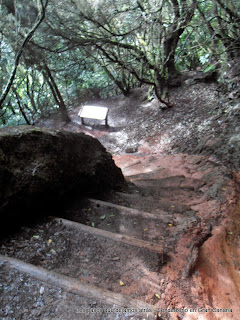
[168, 239]
[202, 120]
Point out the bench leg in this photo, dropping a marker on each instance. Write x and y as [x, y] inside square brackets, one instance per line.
[106, 122]
[82, 121]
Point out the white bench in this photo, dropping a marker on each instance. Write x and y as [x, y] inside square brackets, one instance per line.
[95, 113]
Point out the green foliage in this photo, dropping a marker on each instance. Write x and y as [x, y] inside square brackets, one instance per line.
[209, 68]
[103, 47]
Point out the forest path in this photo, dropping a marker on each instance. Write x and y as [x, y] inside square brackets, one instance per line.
[147, 248]
[170, 240]
[137, 123]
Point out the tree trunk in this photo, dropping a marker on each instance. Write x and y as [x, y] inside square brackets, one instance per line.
[20, 106]
[2, 113]
[56, 93]
[230, 42]
[19, 54]
[31, 96]
[175, 31]
[118, 83]
[169, 49]
[161, 90]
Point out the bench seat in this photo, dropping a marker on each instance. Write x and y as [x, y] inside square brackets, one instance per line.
[95, 113]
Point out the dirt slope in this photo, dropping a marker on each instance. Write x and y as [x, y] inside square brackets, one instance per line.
[177, 225]
[165, 248]
[201, 121]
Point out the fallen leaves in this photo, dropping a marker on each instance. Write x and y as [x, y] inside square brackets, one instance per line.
[53, 251]
[41, 290]
[115, 259]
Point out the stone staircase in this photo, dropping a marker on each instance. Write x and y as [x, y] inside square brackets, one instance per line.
[121, 255]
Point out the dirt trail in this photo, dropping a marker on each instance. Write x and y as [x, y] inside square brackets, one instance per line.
[166, 247]
[163, 243]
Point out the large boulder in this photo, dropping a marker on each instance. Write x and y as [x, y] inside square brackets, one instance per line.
[40, 167]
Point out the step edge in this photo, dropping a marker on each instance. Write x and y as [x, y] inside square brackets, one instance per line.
[133, 211]
[152, 184]
[155, 247]
[77, 287]
[150, 198]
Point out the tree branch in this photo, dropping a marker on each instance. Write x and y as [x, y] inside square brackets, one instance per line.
[19, 54]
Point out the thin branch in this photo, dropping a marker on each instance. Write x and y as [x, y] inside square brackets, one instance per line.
[19, 54]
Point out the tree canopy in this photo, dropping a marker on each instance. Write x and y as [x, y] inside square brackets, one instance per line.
[55, 53]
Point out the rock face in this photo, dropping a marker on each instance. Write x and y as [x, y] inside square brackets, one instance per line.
[41, 167]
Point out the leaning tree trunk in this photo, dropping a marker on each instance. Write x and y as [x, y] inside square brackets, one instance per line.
[169, 50]
[161, 90]
[117, 82]
[20, 106]
[181, 19]
[56, 93]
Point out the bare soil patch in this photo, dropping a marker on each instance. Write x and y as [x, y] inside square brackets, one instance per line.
[202, 120]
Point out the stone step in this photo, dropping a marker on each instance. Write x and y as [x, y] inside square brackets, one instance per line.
[139, 169]
[148, 203]
[80, 299]
[95, 257]
[124, 220]
[120, 238]
[112, 251]
[130, 211]
[152, 174]
[184, 194]
[166, 226]
[173, 181]
[166, 165]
